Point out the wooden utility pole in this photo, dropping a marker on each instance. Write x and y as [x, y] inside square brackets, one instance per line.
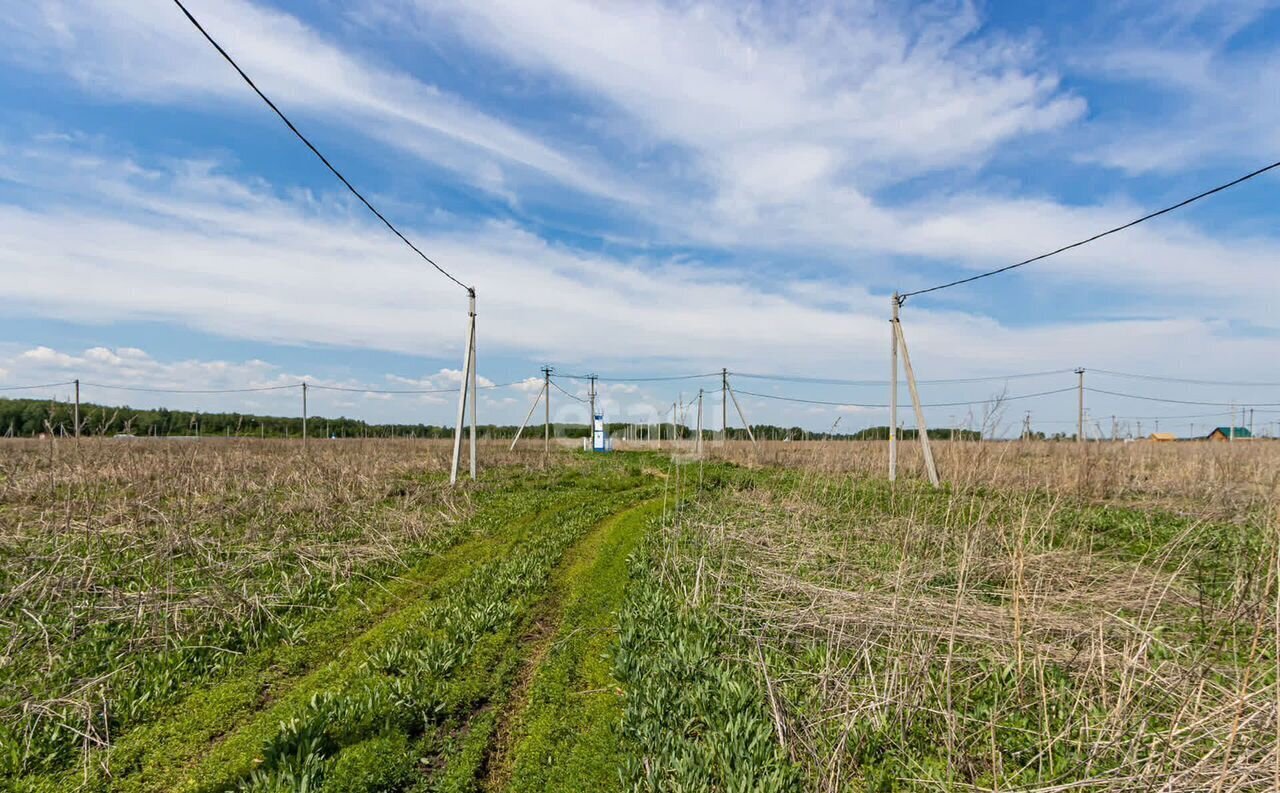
[77, 412]
[1080, 406]
[893, 389]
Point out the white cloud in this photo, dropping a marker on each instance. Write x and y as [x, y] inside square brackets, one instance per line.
[791, 107]
[148, 52]
[233, 259]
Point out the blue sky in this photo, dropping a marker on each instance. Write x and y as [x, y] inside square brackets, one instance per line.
[640, 188]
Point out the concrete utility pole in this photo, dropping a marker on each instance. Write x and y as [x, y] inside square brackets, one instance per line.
[465, 389]
[893, 389]
[699, 445]
[1080, 406]
[1113, 428]
[1231, 431]
[304, 414]
[546, 425]
[724, 405]
[922, 429]
[77, 413]
[592, 422]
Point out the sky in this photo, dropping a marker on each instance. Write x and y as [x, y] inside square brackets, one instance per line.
[643, 190]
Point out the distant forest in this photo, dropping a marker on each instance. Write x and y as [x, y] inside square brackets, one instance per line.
[33, 417]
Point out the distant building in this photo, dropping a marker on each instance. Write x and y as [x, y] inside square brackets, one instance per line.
[1163, 437]
[1226, 433]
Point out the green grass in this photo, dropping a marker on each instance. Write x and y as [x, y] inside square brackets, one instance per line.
[569, 731]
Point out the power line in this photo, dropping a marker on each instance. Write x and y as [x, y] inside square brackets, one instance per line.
[314, 150]
[405, 390]
[35, 387]
[661, 378]
[111, 387]
[952, 381]
[924, 405]
[902, 297]
[566, 393]
[1178, 401]
[1163, 379]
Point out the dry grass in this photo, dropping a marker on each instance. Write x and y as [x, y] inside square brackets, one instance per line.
[1202, 477]
[178, 555]
[1011, 632]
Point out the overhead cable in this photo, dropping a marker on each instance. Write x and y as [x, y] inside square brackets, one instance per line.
[951, 381]
[36, 387]
[1178, 401]
[314, 150]
[925, 405]
[1184, 380]
[903, 296]
[112, 387]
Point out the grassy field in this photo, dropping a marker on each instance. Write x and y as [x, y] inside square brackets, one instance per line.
[245, 615]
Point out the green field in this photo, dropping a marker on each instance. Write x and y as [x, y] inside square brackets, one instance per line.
[241, 616]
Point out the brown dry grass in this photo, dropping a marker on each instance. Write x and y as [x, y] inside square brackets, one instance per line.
[1102, 617]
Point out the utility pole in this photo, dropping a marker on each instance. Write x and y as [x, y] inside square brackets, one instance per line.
[699, 446]
[592, 422]
[893, 390]
[1113, 428]
[304, 414]
[1080, 406]
[546, 425]
[77, 413]
[724, 405]
[468, 371]
[1251, 422]
[1026, 426]
[1231, 431]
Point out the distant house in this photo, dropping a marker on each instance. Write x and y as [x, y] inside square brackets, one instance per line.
[1163, 437]
[1226, 433]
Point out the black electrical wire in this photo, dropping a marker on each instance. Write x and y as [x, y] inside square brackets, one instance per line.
[663, 378]
[566, 393]
[35, 387]
[405, 390]
[902, 297]
[952, 381]
[1188, 381]
[111, 387]
[928, 405]
[1178, 401]
[314, 150]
